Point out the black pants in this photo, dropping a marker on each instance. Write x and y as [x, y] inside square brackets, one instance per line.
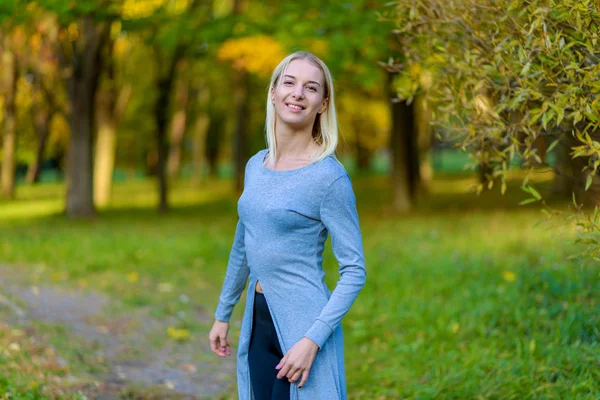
[264, 354]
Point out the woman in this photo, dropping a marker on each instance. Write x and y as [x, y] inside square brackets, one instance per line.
[295, 194]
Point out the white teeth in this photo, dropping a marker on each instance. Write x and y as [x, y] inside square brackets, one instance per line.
[295, 107]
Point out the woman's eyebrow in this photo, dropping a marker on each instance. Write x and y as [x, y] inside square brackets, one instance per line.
[293, 77]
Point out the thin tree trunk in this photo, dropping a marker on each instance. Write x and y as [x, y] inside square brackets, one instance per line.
[160, 114]
[82, 90]
[411, 137]
[164, 85]
[402, 128]
[363, 153]
[110, 107]
[425, 141]
[178, 126]
[241, 127]
[571, 176]
[9, 144]
[104, 158]
[41, 117]
[213, 140]
[563, 184]
[200, 132]
[363, 157]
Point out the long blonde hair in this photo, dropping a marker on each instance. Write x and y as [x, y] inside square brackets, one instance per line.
[325, 128]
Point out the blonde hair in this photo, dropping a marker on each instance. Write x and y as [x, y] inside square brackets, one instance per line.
[325, 128]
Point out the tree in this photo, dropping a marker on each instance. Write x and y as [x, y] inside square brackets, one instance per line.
[173, 31]
[9, 84]
[47, 96]
[508, 73]
[537, 61]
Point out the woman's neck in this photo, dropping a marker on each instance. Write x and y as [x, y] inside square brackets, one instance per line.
[295, 144]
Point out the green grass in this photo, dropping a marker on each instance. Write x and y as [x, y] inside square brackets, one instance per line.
[465, 298]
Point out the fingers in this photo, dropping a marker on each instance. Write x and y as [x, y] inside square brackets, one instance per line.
[220, 346]
[295, 376]
[283, 367]
[304, 378]
[227, 347]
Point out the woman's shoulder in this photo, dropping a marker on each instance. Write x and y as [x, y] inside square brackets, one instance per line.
[259, 155]
[257, 158]
[332, 169]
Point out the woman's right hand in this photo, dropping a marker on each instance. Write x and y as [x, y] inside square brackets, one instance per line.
[218, 339]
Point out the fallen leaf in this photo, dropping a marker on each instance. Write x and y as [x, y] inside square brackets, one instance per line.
[509, 276]
[178, 334]
[133, 277]
[188, 367]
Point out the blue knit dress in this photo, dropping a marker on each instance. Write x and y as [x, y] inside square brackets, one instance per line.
[284, 220]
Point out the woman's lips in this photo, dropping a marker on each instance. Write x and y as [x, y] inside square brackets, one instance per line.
[295, 108]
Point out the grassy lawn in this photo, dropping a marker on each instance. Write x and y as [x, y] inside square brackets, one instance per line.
[465, 298]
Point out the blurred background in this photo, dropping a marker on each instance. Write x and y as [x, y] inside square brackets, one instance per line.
[470, 131]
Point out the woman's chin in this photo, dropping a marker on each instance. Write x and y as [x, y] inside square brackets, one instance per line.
[295, 123]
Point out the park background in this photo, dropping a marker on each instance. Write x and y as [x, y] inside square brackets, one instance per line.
[470, 131]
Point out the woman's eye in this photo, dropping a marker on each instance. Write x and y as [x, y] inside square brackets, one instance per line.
[312, 88]
[288, 83]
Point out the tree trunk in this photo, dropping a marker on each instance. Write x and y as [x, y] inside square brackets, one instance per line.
[363, 153]
[83, 85]
[160, 113]
[363, 157]
[9, 144]
[425, 140]
[241, 127]
[199, 159]
[214, 136]
[164, 85]
[402, 178]
[110, 106]
[178, 125]
[41, 117]
[200, 132]
[104, 159]
[563, 183]
[570, 175]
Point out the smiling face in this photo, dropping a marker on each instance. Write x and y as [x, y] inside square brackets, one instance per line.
[299, 94]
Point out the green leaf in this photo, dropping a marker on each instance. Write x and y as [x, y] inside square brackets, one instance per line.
[588, 181]
[553, 145]
[534, 193]
[527, 201]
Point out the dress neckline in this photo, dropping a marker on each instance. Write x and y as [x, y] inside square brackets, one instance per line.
[286, 171]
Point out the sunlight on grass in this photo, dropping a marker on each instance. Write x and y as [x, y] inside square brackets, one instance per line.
[31, 209]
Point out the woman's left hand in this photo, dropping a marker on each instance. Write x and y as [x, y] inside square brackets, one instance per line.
[297, 361]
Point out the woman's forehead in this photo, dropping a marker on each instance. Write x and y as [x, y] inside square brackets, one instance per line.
[304, 70]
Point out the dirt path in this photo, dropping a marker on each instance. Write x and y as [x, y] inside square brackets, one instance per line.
[126, 344]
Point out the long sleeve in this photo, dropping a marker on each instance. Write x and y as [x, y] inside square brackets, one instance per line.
[339, 215]
[235, 277]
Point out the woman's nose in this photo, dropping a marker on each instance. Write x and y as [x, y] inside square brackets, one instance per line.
[298, 92]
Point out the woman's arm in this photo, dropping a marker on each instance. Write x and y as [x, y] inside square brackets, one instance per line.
[235, 277]
[339, 215]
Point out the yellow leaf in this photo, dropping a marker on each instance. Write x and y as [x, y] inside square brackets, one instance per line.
[178, 334]
[73, 31]
[455, 327]
[509, 276]
[532, 346]
[133, 277]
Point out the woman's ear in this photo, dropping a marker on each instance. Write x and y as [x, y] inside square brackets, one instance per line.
[324, 106]
[272, 94]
